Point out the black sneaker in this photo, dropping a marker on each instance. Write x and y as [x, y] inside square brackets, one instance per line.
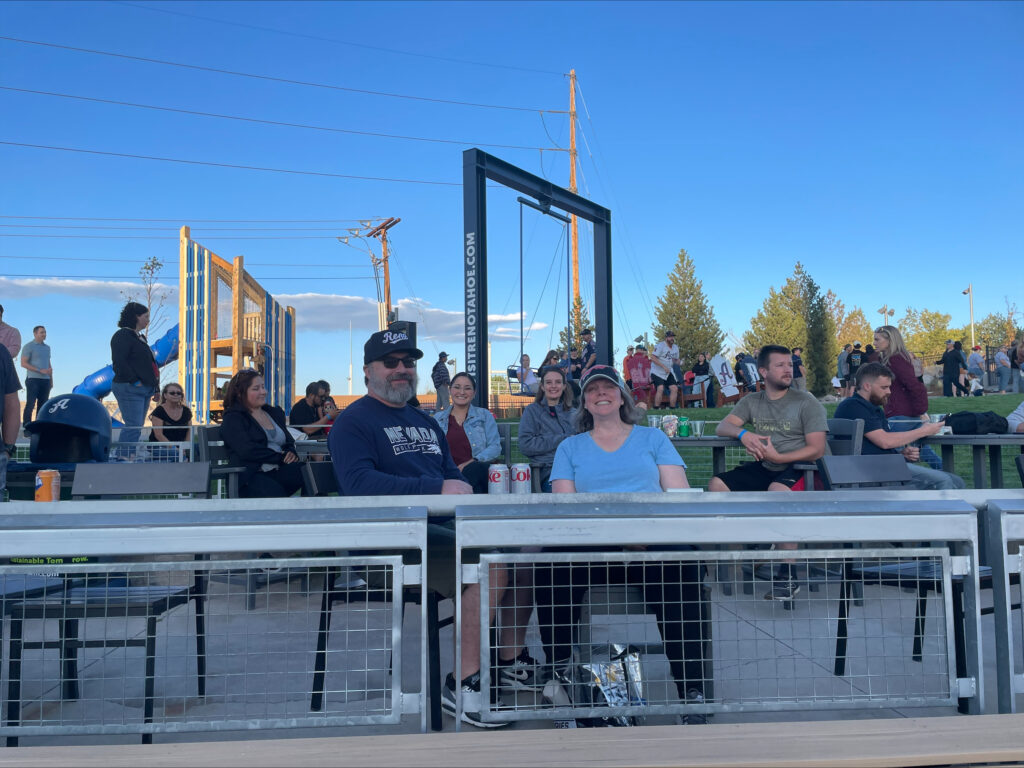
[693, 696]
[783, 591]
[523, 673]
[471, 685]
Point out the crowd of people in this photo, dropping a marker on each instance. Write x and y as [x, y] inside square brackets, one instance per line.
[583, 439]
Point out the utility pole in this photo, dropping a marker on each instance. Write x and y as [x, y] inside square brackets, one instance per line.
[381, 232]
[574, 224]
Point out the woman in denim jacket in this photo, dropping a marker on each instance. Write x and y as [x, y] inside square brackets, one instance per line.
[472, 432]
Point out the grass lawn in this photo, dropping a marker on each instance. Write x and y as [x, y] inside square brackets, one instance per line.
[698, 460]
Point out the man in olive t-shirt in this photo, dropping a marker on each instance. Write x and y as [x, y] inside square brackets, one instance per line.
[788, 426]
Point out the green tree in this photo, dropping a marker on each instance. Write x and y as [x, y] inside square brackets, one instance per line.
[821, 339]
[782, 317]
[579, 310]
[854, 327]
[684, 309]
[995, 328]
[925, 332]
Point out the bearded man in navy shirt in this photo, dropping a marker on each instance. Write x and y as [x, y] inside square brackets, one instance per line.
[382, 446]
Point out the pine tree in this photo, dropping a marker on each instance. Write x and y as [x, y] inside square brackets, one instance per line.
[581, 320]
[782, 317]
[821, 339]
[684, 309]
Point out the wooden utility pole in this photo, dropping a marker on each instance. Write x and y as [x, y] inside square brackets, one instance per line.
[574, 225]
[381, 232]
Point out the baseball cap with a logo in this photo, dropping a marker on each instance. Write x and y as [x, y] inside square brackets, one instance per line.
[383, 343]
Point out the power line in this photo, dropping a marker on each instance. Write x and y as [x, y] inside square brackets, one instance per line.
[197, 221]
[165, 229]
[164, 237]
[343, 42]
[232, 165]
[248, 263]
[278, 123]
[271, 78]
[136, 277]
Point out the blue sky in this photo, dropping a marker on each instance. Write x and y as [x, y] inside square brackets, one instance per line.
[877, 143]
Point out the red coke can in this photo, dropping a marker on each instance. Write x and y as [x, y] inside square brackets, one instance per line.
[497, 479]
[520, 479]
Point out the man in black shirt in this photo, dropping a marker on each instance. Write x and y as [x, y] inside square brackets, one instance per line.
[442, 380]
[305, 414]
[951, 363]
[799, 372]
[10, 415]
[874, 382]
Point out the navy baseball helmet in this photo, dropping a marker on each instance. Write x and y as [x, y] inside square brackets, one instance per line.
[70, 428]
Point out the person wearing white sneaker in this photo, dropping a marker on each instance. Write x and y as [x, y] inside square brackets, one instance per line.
[612, 453]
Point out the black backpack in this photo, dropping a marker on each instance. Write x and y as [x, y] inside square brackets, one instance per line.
[980, 423]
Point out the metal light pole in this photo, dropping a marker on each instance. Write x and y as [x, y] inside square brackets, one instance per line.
[970, 293]
[886, 313]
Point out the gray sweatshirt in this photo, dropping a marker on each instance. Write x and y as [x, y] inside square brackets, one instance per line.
[540, 433]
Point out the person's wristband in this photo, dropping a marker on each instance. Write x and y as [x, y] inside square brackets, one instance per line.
[741, 434]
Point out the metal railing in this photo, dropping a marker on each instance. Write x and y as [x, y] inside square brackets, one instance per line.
[687, 632]
[132, 617]
[1003, 529]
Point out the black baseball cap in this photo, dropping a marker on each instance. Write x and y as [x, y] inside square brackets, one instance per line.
[670, 333]
[601, 372]
[385, 342]
[442, 354]
[586, 332]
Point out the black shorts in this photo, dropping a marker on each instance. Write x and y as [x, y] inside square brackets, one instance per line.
[668, 381]
[753, 476]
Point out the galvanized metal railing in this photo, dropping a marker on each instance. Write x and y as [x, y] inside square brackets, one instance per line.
[915, 641]
[1003, 531]
[117, 619]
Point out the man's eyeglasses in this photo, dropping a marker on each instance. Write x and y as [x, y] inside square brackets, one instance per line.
[392, 362]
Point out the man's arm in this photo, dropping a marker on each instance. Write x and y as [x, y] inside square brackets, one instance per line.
[889, 440]
[732, 426]
[12, 418]
[1015, 421]
[812, 451]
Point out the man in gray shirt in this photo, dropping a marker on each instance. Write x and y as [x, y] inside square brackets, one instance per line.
[35, 359]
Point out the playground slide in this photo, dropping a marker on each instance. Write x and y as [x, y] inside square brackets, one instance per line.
[98, 384]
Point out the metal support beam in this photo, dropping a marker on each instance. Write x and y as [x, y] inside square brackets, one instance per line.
[477, 168]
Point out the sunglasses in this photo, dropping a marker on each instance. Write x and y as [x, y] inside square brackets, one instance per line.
[392, 362]
[175, 392]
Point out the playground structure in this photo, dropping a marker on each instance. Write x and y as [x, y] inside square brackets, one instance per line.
[223, 312]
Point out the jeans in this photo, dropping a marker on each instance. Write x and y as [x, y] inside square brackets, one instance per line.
[442, 397]
[133, 400]
[3, 475]
[925, 479]
[948, 384]
[1016, 385]
[37, 392]
[1003, 374]
[908, 424]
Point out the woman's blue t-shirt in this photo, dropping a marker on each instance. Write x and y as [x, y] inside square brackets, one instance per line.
[632, 468]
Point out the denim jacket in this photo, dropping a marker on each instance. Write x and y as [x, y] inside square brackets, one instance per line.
[481, 429]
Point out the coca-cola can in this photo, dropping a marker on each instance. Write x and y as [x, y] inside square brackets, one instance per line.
[498, 479]
[521, 480]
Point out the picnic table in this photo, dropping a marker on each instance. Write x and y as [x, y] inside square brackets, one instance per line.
[978, 443]
[715, 443]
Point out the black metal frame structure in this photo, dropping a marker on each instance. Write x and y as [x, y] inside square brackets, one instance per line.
[477, 168]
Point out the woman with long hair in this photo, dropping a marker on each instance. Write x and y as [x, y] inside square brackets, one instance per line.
[546, 422]
[472, 432]
[907, 406]
[551, 358]
[172, 417]
[257, 439]
[702, 373]
[613, 454]
[136, 376]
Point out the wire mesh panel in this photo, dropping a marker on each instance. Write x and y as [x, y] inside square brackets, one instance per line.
[176, 644]
[604, 636]
[150, 452]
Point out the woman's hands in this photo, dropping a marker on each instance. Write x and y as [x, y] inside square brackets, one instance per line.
[290, 457]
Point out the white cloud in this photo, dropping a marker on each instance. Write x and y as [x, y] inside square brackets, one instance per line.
[503, 332]
[104, 290]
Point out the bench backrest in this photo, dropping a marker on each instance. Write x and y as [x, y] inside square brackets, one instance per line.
[505, 433]
[123, 479]
[1020, 467]
[852, 472]
[845, 436]
[322, 478]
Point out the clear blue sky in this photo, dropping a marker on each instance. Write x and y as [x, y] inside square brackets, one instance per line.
[877, 143]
